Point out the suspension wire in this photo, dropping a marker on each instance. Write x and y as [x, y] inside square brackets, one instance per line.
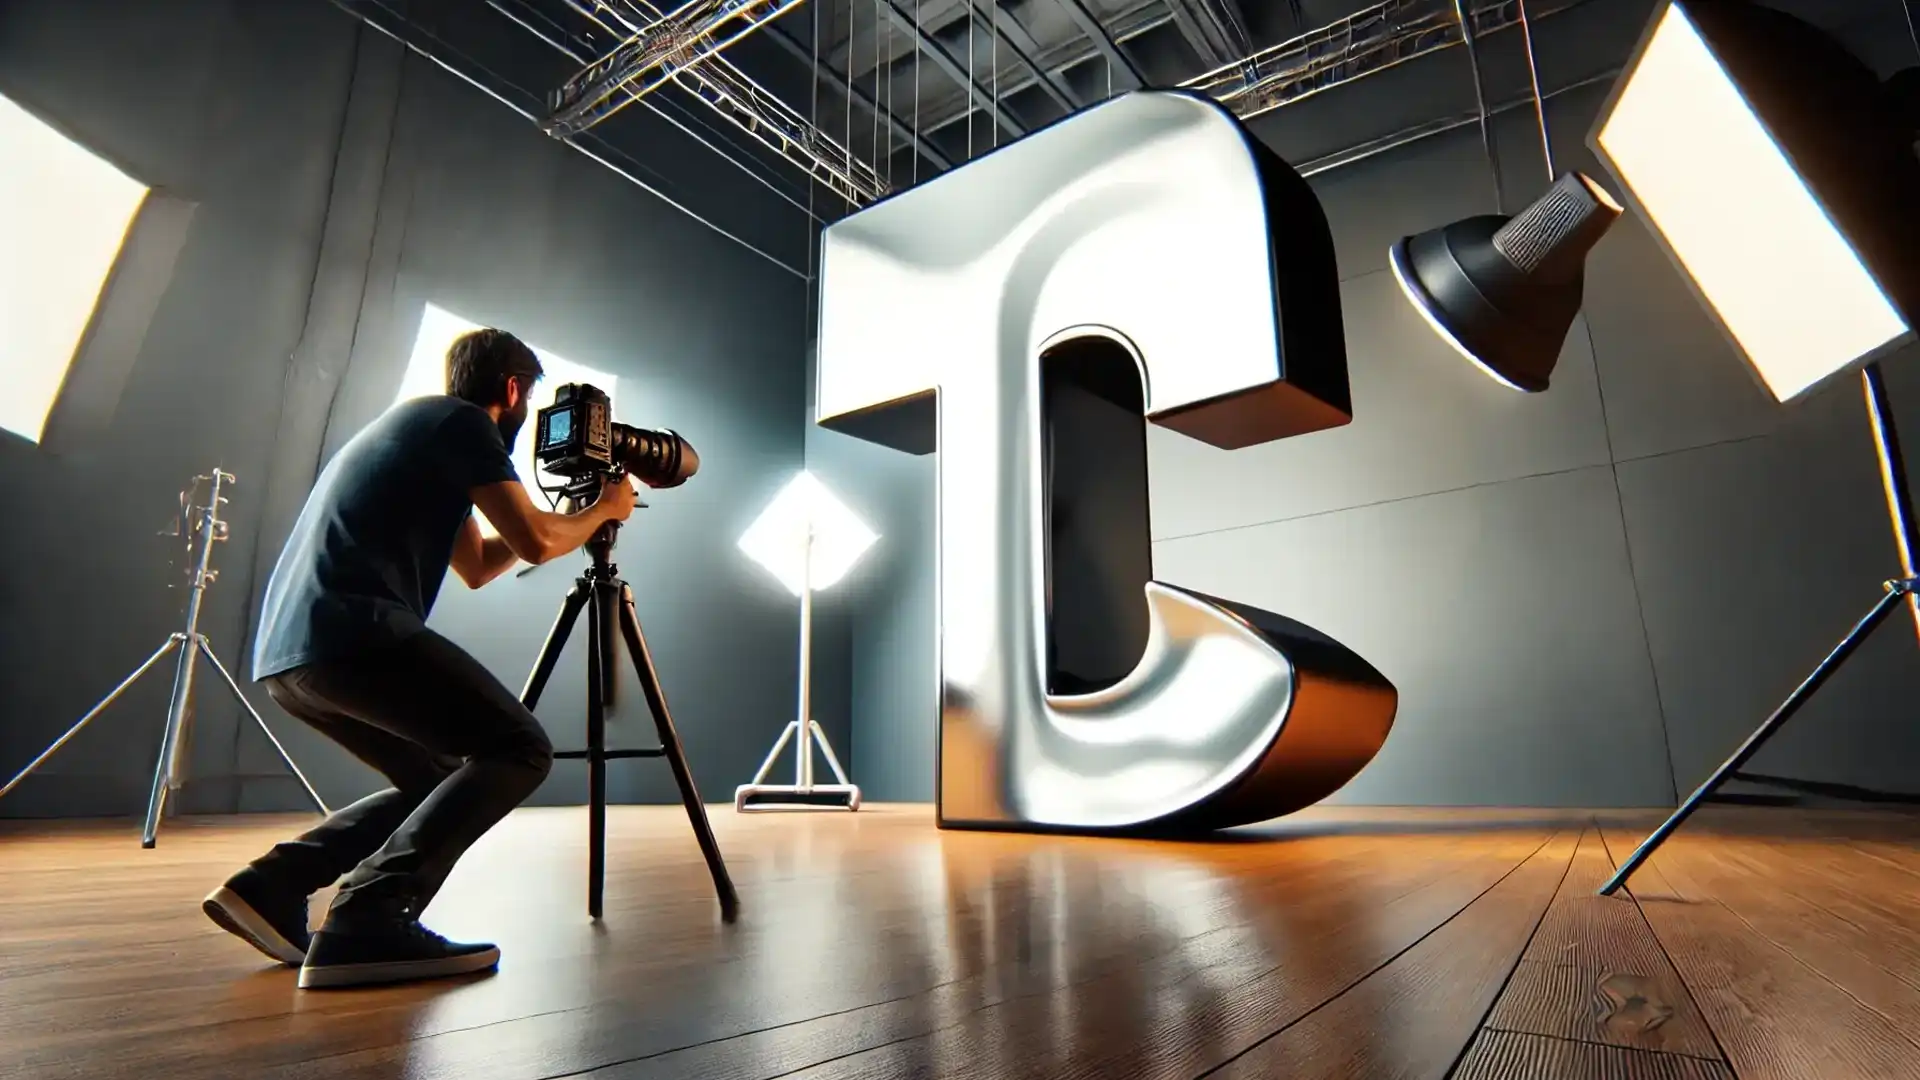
[1480, 95]
[890, 133]
[807, 316]
[993, 58]
[1539, 99]
[972, 83]
[917, 33]
[875, 138]
[847, 96]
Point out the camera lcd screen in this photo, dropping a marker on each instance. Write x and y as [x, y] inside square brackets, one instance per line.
[559, 427]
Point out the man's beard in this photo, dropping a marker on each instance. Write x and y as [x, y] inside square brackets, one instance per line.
[510, 425]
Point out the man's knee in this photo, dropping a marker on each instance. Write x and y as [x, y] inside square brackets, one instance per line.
[528, 747]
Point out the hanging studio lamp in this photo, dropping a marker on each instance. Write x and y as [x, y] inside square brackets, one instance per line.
[1503, 291]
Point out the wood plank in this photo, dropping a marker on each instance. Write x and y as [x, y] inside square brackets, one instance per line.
[1774, 1017]
[1149, 958]
[876, 945]
[1414, 1016]
[843, 913]
[1595, 973]
[1150, 1028]
[1508, 1055]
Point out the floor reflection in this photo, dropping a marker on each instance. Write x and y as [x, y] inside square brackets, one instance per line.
[868, 944]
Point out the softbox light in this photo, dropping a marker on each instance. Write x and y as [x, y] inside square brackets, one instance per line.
[1779, 175]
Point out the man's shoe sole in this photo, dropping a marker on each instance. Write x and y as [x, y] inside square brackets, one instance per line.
[336, 976]
[230, 912]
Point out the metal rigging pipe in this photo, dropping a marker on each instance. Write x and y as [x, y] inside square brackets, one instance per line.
[1480, 96]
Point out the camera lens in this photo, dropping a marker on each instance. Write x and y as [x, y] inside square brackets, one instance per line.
[659, 459]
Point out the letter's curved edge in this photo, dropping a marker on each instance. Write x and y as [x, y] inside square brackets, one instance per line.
[1341, 712]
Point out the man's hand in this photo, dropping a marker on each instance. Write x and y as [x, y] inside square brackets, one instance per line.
[540, 536]
[479, 559]
[616, 499]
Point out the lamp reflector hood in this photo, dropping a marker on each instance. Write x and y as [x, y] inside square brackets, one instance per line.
[1504, 291]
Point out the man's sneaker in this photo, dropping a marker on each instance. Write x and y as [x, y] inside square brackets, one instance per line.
[253, 909]
[397, 952]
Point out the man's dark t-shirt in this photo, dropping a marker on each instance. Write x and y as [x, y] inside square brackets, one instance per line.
[369, 551]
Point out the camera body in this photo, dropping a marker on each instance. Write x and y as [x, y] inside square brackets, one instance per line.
[578, 438]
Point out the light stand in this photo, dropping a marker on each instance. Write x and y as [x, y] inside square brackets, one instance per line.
[204, 529]
[803, 732]
[1893, 477]
[612, 605]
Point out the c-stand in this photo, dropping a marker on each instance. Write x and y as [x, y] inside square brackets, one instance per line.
[203, 528]
[607, 601]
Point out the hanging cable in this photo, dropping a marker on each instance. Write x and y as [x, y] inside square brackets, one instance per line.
[972, 82]
[891, 153]
[917, 34]
[1480, 95]
[993, 58]
[813, 229]
[847, 97]
[1539, 99]
[877, 61]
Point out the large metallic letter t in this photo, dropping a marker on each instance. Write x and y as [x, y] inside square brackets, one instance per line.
[1154, 226]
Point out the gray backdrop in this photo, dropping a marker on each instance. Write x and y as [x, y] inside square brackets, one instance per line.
[1585, 597]
[341, 183]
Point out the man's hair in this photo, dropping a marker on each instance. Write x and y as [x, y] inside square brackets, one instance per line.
[479, 363]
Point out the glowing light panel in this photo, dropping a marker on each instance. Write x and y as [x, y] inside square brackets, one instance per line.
[1740, 219]
[427, 374]
[64, 215]
[777, 539]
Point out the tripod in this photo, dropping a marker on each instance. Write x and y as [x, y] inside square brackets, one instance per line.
[204, 528]
[1893, 478]
[609, 602]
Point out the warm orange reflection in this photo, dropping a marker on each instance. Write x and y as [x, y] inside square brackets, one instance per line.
[869, 944]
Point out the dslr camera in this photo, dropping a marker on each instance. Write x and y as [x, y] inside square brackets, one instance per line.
[577, 437]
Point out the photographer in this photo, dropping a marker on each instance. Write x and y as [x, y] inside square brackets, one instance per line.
[343, 645]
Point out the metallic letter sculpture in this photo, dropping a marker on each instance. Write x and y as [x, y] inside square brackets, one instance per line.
[984, 314]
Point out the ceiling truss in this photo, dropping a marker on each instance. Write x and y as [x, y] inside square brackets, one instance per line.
[630, 49]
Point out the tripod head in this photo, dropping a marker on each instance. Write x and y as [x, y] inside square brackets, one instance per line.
[599, 550]
[200, 523]
[581, 494]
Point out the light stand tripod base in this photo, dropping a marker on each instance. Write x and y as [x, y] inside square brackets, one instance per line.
[803, 793]
[1730, 769]
[759, 798]
[204, 528]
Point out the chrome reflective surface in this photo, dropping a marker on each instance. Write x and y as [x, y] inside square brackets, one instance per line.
[940, 302]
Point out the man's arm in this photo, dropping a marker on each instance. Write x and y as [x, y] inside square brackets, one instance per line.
[479, 559]
[540, 536]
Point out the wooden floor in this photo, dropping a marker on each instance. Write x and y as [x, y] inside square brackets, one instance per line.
[1341, 943]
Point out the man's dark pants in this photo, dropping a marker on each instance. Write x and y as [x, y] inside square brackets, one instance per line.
[459, 749]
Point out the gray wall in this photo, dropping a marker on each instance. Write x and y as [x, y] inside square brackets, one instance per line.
[341, 183]
[1586, 597]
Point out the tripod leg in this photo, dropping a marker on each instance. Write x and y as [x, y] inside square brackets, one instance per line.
[607, 598]
[286, 758]
[159, 653]
[1758, 739]
[556, 641]
[773, 755]
[670, 742]
[172, 742]
[596, 751]
[826, 748]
